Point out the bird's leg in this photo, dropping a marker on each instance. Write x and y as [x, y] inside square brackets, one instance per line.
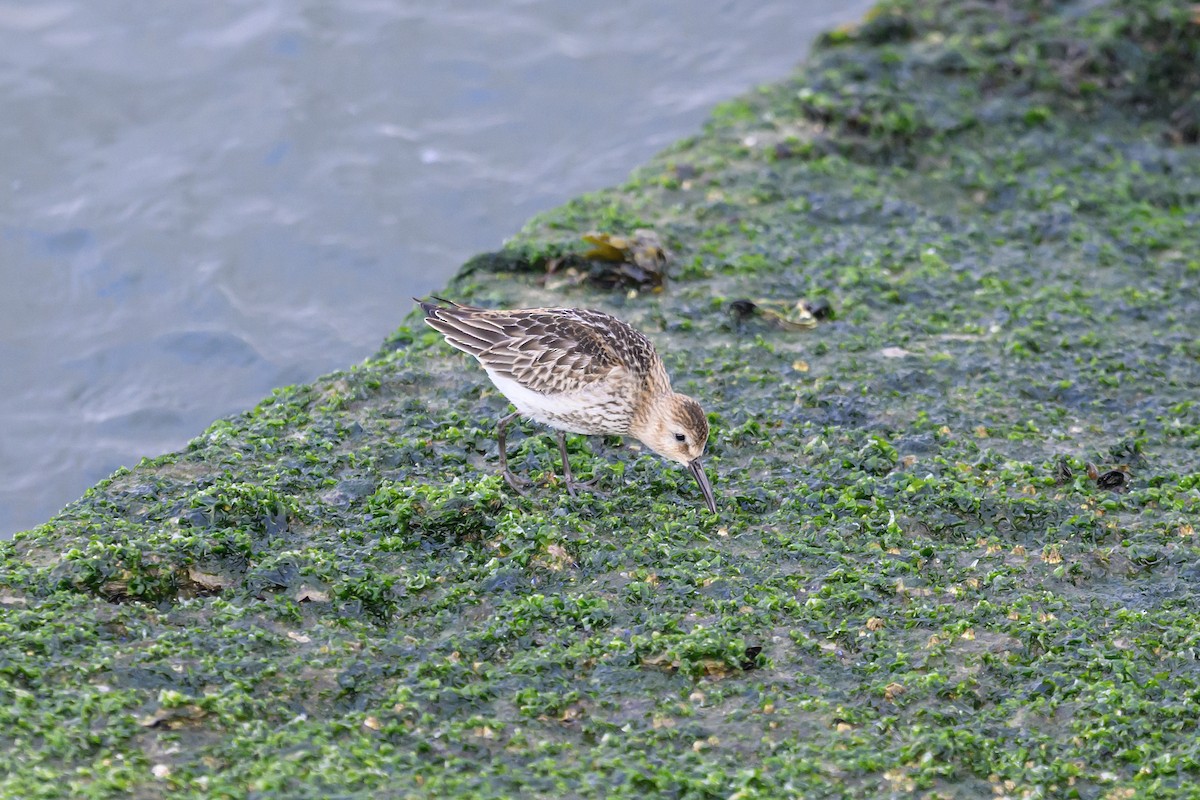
[562, 449]
[515, 483]
[567, 476]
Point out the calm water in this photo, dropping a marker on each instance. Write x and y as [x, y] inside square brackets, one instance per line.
[201, 201]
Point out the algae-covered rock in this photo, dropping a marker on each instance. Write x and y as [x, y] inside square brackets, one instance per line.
[957, 549]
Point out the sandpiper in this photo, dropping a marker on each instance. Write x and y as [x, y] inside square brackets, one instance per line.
[578, 371]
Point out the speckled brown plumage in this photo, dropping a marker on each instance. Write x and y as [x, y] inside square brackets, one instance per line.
[580, 371]
[551, 350]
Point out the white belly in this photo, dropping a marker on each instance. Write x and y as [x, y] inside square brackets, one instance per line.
[596, 410]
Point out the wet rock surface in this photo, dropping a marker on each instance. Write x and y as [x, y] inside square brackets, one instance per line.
[956, 550]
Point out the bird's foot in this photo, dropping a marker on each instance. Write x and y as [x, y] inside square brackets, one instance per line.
[573, 487]
[516, 482]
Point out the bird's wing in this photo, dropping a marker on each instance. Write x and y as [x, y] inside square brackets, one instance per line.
[549, 350]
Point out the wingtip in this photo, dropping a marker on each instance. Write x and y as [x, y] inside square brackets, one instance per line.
[426, 306]
[430, 307]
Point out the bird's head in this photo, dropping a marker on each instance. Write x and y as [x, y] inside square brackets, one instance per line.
[675, 427]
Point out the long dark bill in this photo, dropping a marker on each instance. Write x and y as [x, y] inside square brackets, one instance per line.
[701, 478]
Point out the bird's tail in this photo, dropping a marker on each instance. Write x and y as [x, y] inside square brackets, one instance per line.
[431, 309]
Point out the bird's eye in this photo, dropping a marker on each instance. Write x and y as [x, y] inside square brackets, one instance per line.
[679, 437]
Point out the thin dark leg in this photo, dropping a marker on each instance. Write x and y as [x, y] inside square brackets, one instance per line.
[572, 484]
[562, 450]
[515, 483]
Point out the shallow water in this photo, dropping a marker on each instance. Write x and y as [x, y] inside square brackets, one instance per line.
[200, 205]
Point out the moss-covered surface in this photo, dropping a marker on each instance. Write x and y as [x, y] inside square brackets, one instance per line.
[914, 586]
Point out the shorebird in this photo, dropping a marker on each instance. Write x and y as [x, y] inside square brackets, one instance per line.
[577, 371]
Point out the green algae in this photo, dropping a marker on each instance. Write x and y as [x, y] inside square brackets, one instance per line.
[914, 587]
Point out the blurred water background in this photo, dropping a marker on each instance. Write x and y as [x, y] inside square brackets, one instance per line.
[202, 201]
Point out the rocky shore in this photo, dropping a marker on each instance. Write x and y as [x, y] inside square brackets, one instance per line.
[939, 293]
